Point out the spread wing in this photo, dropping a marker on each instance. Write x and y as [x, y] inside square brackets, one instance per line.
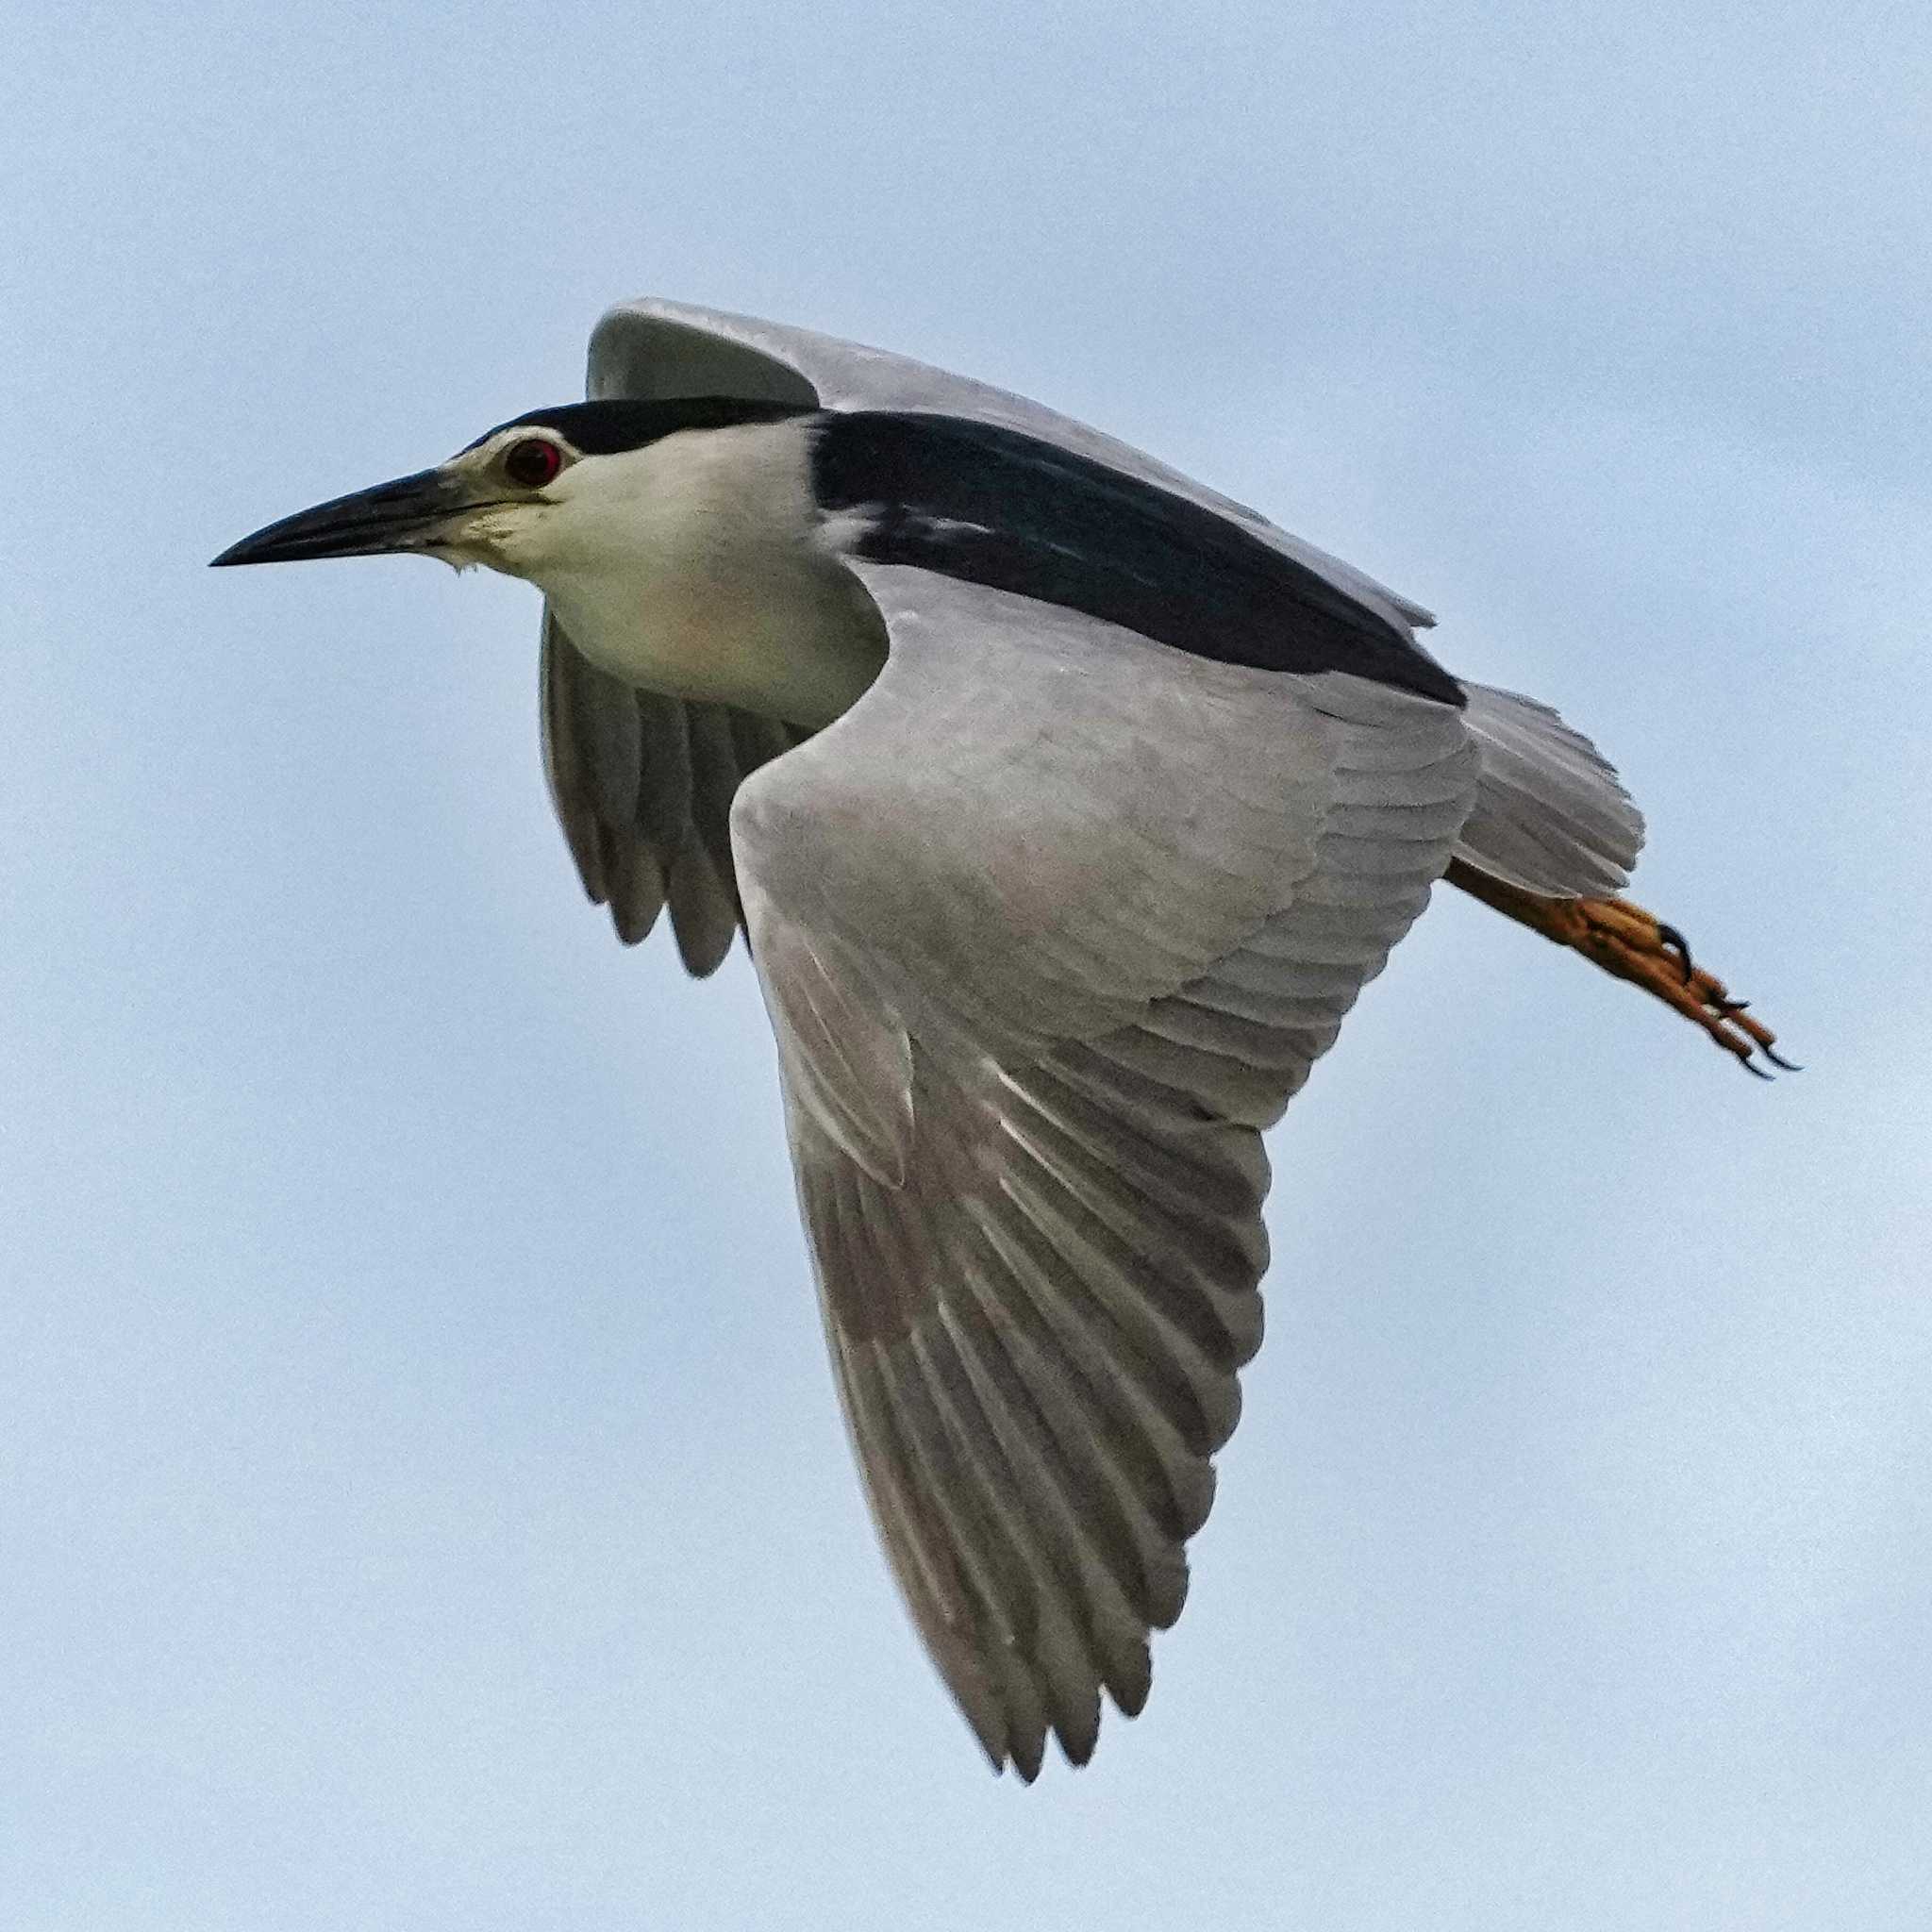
[1050, 925]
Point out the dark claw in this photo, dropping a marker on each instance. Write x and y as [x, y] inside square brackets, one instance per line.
[1679, 944]
[1777, 1059]
[1725, 1009]
[1752, 1067]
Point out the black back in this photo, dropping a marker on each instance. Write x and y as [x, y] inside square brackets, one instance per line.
[995, 507]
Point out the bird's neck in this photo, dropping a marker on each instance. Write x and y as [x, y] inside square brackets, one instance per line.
[691, 567]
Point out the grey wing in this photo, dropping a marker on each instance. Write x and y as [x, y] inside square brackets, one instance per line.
[643, 786]
[1050, 925]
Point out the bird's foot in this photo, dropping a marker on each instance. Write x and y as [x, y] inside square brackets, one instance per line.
[1633, 944]
[1636, 945]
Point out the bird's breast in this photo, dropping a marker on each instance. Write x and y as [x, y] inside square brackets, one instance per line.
[790, 637]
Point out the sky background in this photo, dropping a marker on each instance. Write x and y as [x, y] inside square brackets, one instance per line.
[422, 1503]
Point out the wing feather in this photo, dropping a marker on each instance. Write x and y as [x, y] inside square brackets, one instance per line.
[1108, 904]
[642, 787]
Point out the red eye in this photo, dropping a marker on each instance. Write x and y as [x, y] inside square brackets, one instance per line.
[532, 463]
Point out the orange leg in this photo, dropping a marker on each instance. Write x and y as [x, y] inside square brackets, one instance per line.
[1636, 945]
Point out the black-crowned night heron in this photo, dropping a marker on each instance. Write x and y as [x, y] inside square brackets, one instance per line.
[1067, 807]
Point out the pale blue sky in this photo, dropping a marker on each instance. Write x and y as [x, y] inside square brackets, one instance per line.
[422, 1499]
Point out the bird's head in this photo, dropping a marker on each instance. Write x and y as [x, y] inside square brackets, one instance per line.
[507, 500]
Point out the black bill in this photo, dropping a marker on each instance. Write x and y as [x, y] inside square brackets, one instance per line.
[402, 515]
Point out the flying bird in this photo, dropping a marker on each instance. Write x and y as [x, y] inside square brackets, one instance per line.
[1066, 806]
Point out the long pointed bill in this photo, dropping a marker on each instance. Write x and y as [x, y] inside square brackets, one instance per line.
[408, 514]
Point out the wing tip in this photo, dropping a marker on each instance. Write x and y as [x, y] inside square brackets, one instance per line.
[1009, 1744]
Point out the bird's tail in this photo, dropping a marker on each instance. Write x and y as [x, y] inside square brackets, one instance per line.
[1550, 816]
